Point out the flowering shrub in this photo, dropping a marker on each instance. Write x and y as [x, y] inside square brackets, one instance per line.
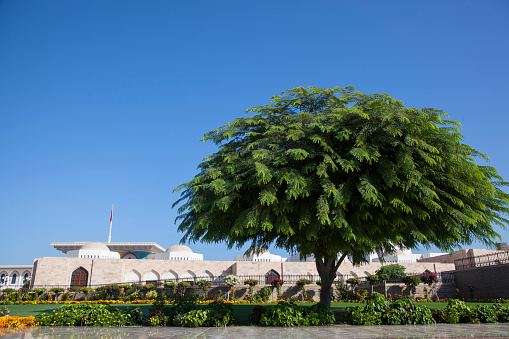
[11, 322]
[277, 282]
[87, 315]
[428, 278]
[231, 280]
[251, 282]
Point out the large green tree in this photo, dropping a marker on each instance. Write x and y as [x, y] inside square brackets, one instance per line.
[336, 173]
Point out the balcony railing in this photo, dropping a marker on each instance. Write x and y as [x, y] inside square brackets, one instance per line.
[491, 259]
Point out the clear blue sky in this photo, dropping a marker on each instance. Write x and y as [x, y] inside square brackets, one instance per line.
[105, 102]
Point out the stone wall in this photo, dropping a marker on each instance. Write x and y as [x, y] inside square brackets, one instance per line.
[58, 271]
[462, 254]
[487, 282]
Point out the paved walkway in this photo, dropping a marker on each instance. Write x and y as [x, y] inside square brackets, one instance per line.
[409, 331]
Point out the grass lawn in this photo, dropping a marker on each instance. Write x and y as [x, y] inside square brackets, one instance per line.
[241, 312]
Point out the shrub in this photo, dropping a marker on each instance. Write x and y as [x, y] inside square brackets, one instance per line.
[4, 311]
[318, 315]
[502, 314]
[411, 280]
[219, 314]
[263, 295]
[88, 315]
[151, 294]
[379, 311]
[428, 278]
[173, 285]
[303, 282]
[231, 280]
[405, 312]
[341, 290]
[457, 312]
[283, 314]
[256, 316]
[353, 282]
[486, 314]
[181, 305]
[393, 271]
[251, 283]
[373, 279]
[193, 318]
[361, 295]
[204, 284]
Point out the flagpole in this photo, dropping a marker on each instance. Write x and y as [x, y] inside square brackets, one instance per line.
[111, 221]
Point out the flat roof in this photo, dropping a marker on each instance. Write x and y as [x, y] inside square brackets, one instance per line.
[113, 246]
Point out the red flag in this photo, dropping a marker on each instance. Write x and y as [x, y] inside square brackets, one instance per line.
[111, 216]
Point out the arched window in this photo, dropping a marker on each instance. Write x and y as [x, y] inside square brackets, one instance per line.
[25, 277]
[79, 278]
[271, 275]
[3, 278]
[13, 279]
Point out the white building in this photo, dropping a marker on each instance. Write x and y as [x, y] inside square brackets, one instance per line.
[14, 276]
[94, 250]
[259, 254]
[178, 252]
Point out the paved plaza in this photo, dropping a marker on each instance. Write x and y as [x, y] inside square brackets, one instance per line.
[409, 331]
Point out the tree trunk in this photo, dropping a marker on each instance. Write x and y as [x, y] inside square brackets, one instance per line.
[327, 268]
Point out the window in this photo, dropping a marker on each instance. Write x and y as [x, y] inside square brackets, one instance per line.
[2, 278]
[13, 279]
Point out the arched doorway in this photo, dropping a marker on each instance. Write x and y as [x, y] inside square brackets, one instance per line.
[270, 276]
[79, 278]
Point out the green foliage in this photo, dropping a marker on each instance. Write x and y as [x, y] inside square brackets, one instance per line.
[411, 280]
[353, 282]
[4, 311]
[361, 295]
[486, 313]
[328, 171]
[393, 271]
[457, 312]
[231, 280]
[220, 314]
[384, 277]
[255, 317]
[379, 311]
[204, 284]
[193, 318]
[151, 294]
[303, 282]
[283, 314]
[290, 314]
[263, 295]
[251, 282]
[56, 290]
[341, 290]
[373, 279]
[89, 315]
[216, 314]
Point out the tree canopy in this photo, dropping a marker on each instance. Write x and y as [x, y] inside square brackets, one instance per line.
[335, 173]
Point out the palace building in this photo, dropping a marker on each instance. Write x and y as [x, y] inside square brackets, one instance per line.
[96, 263]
